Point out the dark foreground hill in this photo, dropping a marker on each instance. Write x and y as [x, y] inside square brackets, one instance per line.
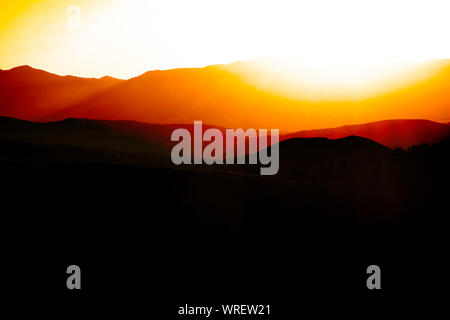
[99, 194]
[133, 143]
[211, 235]
[314, 159]
[391, 133]
[115, 135]
[138, 137]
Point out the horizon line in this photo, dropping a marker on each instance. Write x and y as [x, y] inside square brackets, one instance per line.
[208, 65]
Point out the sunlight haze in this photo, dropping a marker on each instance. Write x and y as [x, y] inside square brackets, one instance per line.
[126, 38]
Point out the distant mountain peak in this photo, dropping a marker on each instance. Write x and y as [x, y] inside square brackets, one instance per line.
[23, 68]
[26, 71]
[107, 78]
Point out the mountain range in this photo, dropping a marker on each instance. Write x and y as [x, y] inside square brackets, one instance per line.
[33, 94]
[139, 137]
[233, 95]
[80, 171]
[392, 133]
[305, 156]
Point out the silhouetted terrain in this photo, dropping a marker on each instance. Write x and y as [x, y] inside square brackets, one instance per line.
[115, 135]
[32, 94]
[315, 159]
[132, 143]
[234, 95]
[391, 133]
[228, 233]
[154, 139]
[95, 192]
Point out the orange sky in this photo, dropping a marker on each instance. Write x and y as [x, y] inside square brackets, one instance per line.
[124, 38]
[345, 61]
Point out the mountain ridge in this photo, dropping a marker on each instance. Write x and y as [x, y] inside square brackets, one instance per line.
[391, 133]
[220, 94]
[32, 94]
[137, 144]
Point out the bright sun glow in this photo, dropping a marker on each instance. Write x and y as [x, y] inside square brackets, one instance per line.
[124, 38]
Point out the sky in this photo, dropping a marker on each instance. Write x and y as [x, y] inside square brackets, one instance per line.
[125, 38]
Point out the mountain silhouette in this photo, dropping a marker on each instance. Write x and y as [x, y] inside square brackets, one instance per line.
[314, 159]
[214, 93]
[33, 94]
[143, 138]
[391, 133]
[321, 159]
[105, 189]
[349, 200]
[232, 95]
[127, 142]
[182, 96]
[134, 143]
[115, 135]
